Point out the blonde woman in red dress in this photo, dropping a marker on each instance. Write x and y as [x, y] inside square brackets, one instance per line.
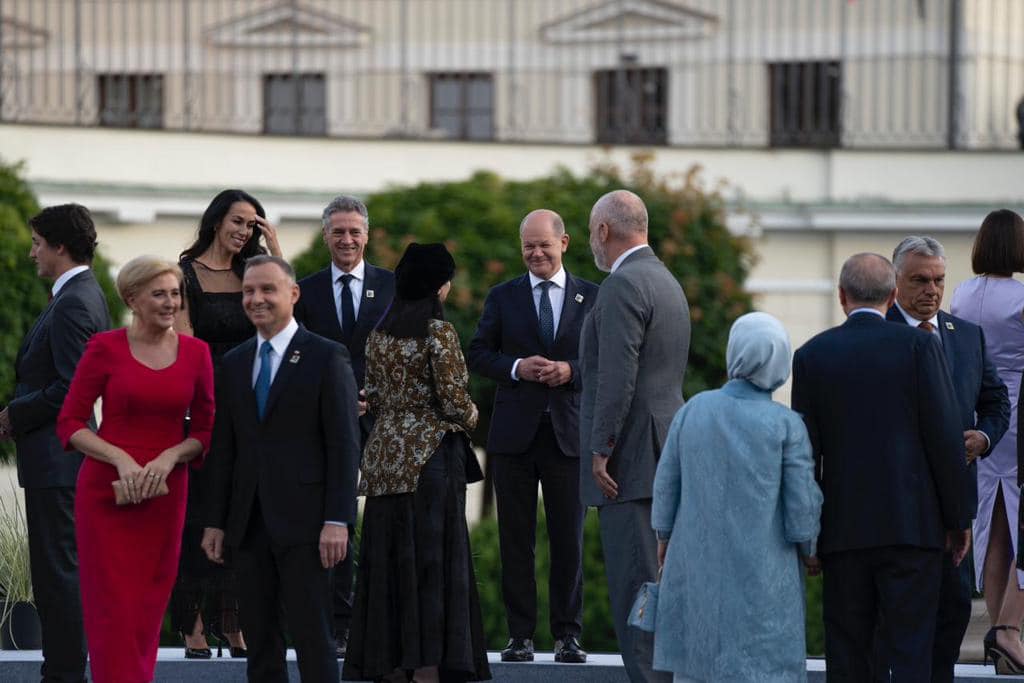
[148, 376]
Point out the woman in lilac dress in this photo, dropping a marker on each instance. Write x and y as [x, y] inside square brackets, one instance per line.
[995, 301]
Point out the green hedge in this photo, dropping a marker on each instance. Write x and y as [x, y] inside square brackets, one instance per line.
[479, 218]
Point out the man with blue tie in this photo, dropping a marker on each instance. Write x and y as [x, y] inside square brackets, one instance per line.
[527, 341]
[343, 302]
[282, 476]
[984, 411]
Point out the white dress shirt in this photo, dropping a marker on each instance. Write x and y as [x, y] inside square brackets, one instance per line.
[914, 322]
[63, 279]
[556, 294]
[355, 286]
[866, 309]
[623, 255]
[279, 343]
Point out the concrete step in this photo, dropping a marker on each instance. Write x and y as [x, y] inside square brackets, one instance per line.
[172, 667]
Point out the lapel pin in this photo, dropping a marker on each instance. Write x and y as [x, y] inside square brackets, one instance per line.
[579, 298]
[369, 294]
[949, 325]
[295, 357]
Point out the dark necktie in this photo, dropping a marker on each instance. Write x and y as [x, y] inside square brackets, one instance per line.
[547, 317]
[263, 379]
[348, 310]
[926, 326]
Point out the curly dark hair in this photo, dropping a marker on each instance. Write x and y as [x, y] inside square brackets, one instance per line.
[212, 217]
[69, 225]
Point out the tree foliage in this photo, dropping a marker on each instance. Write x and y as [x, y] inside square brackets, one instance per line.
[25, 295]
[478, 220]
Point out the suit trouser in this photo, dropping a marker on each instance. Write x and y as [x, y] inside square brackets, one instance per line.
[954, 615]
[269, 578]
[50, 515]
[630, 559]
[895, 586]
[343, 574]
[515, 488]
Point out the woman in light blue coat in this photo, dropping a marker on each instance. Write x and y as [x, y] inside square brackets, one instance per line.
[735, 504]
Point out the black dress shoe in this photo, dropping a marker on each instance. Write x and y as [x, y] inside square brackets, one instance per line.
[568, 651]
[518, 650]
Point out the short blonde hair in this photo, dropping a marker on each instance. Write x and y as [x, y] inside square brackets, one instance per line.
[135, 274]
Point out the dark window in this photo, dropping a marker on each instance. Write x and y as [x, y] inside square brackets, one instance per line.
[294, 104]
[804, 101]
[462, 105]
[131, 100]
[632, 105]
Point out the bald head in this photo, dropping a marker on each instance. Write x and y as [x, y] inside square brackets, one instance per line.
[867, 281]
[544, 218]
[618, 222]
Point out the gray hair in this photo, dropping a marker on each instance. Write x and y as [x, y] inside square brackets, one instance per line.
[920, 245]
[264, 259]
[867, 278]
[344, 203]
[556, 221]
[623, 212]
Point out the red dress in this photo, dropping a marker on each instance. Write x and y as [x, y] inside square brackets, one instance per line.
[128, 556]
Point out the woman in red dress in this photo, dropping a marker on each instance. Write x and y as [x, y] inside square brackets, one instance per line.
[148, 377]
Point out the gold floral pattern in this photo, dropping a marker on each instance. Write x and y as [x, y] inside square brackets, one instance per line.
[418, 390]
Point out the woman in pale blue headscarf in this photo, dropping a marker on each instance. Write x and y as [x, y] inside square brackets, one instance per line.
[735, 493]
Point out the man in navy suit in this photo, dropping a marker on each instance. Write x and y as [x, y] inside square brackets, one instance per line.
[886, 435]
[527, 341]
[63, 244]
[984, 411]
[343, 302]
[282, 476]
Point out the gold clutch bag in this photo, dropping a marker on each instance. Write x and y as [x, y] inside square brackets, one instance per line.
[121, 494]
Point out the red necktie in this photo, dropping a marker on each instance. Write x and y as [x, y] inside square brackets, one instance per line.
[926, 326]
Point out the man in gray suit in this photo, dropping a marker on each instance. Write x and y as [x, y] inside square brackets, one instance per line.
[633, 350]
[63, 244]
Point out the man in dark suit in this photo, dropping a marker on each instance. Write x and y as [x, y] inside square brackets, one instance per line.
[63, 244]
[984, 411]
[633, 352]
[282, 472]
[344, 302]
[527, 341]
[889, 450]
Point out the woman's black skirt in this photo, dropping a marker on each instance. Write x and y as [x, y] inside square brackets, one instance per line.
[416, 602]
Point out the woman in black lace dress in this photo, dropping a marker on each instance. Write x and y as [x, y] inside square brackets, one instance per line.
[204, 599]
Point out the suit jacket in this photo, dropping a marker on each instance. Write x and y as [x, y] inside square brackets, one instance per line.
[301, 461]
[44, 367]
[886, 434]
[317, 312]
[509, 329]
[981, 396]
[633, 350]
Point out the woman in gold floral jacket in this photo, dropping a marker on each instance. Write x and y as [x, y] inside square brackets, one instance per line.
[416, 610]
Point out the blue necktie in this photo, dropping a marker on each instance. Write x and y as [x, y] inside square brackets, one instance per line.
[547, 317]
[348, 310]
[263, 379]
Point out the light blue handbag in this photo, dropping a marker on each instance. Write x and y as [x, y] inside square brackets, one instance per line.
[645, 607]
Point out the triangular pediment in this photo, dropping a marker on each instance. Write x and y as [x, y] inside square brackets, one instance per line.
[288, 24]
[613, 20]
[17, 34]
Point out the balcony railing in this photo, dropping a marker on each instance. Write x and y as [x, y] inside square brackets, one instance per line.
[731, 73]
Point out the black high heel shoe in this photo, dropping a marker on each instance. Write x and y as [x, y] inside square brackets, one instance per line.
[1004, 662]
[195, 652]
[233, 650]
